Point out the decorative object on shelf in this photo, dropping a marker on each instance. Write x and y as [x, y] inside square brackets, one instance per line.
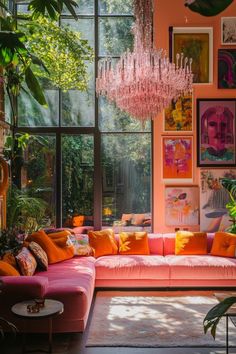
[177, 159]
[228, 30]
[178, 116]
[143, 82]
[213, 200]
[197, 43]
[208, 7]
[226, 68]
[181, 206]
[216, 132]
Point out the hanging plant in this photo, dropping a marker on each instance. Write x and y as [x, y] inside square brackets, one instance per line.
[208, 7]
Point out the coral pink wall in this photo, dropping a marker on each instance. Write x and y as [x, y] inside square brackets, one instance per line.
[174, 13]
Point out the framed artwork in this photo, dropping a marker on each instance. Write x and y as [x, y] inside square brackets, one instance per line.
[178, 116]
[195, 43]
[181, 206]
[226, 68]
[216, 132]
[213, 198]
[228, 30]
[177, 159]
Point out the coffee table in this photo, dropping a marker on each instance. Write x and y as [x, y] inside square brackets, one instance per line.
[51, 308]
[231, 313]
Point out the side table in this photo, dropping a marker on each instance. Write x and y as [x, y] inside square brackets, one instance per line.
[51, 308]
[231, 313]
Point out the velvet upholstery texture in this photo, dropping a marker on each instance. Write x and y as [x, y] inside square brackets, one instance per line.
[224, 244]
[55, 253]
[133, 243]
[187, 242]
[103, 242]
[7, 269]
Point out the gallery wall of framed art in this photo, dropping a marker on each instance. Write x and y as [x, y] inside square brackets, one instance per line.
[204, 121]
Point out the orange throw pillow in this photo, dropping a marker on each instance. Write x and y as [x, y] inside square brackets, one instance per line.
[55, 253]
[133, 243]
[187, 243]
[59, 234]
[7, 269]
[78, 220]
[10, 259]
[102, 242]
[224, 244]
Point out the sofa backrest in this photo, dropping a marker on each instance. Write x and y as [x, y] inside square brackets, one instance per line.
[169, 243]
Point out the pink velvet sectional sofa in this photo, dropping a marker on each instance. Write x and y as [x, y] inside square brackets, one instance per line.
[73, 281]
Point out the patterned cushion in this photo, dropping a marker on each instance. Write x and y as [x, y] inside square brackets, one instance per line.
[26, 261]
[81, 245]
[39, 254]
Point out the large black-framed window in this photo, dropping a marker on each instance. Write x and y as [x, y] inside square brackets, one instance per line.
[100, 151]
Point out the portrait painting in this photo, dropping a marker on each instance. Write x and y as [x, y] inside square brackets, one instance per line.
[213, 199]
[181, 206]
[177, 159]
[195, 43]
[178, 116]
[228, 30]
[226, 68]
[216, 132]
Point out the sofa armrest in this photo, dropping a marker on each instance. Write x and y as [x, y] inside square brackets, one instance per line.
[22, 288]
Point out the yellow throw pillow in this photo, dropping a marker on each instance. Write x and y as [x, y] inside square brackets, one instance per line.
[190, 243]
[7, 269]
[224, 244]
[133, 243]
[102, 242]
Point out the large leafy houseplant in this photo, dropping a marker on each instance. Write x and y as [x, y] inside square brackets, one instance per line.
[215, 314]
[230, 186]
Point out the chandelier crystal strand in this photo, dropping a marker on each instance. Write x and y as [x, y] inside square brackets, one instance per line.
[144, 82]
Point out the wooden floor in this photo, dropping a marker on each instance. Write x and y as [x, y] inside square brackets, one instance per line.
[75, 343]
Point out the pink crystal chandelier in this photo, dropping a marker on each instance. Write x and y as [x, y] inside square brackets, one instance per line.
[144, 81]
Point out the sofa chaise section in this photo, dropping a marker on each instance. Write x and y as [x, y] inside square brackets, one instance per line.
[71, 282]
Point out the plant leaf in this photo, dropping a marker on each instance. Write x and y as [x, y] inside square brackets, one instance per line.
[213, 316]
[35, 87]
[39, 62]
[51, 7]
[11, 45]
[208, 7]
[230, 185]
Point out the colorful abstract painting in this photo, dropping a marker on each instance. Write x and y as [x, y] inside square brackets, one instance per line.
[178, 116]
[195, 43]
[216, 132]
[181, 206]
[213, 198]
[226, 68]
[177, 159]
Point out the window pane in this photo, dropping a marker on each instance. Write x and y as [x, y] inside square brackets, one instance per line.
[38, 175]
[126, 162]
[77, 106]
[22, 8]
[84, 25]
[85, 7]
[114, 120]
[115, 35]
[32, 114]
[77, 177]
[122, 7]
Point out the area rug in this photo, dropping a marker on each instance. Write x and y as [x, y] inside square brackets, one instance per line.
[153, 320]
